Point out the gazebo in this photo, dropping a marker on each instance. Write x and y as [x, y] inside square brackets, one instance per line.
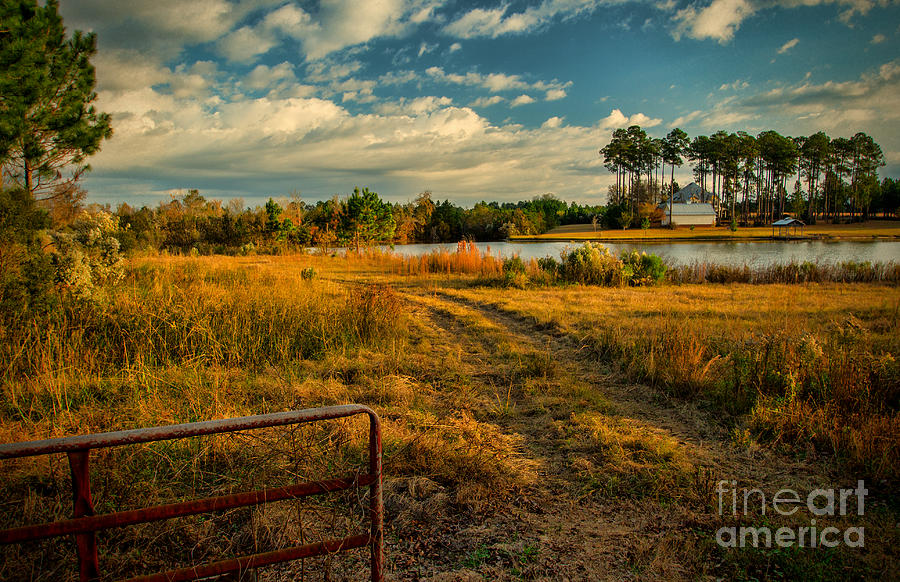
[785, 226]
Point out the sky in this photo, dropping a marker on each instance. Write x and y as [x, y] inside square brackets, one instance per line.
[490, 100]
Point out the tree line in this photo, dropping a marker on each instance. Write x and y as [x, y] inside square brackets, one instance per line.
[191, 221]
[748, 177]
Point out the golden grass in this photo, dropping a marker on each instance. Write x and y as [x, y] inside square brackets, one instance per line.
[807, 364]
[478, 415]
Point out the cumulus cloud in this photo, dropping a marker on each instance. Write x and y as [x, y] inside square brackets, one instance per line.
[313, 143]
[343, 23]
[720, 19]
[878, 39]
[552, 122]
[246, 44]
[264, 77]
[556, 94]
[522, 100]
[161, 27]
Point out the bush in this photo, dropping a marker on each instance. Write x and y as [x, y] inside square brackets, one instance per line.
[591, 264]
[308, 274]
[513, 265]
[87, 254]
[548, 265]
[643, 269]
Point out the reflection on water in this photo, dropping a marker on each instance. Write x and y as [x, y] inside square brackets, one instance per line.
[727, 253]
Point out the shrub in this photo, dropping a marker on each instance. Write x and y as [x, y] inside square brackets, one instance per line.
[643, 269]
[591, 264]
[513, 265]
[87, 255]
[548, 265]
[308, 274]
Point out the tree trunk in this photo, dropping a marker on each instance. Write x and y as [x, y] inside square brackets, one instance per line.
[28, 184]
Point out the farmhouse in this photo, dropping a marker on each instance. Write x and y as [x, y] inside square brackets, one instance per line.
[692, 194]
[700, 214]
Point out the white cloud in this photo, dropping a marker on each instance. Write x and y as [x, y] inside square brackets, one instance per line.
[263, 77]
[788, 45]
[161, 28]
[720, 19]
[487, 101]
[409, 144]
[494, 22]
[413, 107]
[496, 82]
[878, 39]
[343, 23]
[616, 119]
[522, 100]
[735, 86]
[552, 123]
[455, 47]
[555, 94]
[246, 44]
[426, 48]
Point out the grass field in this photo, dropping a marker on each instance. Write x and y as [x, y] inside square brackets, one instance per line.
[576, 232]
[540, 433]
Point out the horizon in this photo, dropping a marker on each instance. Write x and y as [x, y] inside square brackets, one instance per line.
[500, 102]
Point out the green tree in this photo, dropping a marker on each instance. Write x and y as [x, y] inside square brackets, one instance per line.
[47, 123]
[368, 219]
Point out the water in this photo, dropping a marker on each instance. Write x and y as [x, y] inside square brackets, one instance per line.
[756, 254]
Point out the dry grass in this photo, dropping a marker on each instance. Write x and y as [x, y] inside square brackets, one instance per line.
[806, 364]
[498, 437]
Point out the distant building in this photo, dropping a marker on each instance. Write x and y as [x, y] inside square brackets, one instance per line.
[699, 214]
[787, 227]
[692, 194]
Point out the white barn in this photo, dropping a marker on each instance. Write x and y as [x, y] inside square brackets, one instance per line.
[701, 214]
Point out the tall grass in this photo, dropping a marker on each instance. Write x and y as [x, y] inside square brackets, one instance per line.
[788, 273]
[185, 339]
[814, 370]
[162, 319]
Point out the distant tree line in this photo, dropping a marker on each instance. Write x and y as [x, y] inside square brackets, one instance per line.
[193, 222]
[754, 179]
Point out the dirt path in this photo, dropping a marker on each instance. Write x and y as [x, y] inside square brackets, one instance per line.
[634, 503]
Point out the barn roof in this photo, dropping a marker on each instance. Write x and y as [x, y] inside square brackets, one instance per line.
[788, 221]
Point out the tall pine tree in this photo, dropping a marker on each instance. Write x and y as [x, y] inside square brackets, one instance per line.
[48, 126]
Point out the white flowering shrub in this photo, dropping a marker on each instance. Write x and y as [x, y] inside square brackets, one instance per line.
[87, 254]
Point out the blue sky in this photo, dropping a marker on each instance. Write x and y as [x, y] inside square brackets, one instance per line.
[470, 100]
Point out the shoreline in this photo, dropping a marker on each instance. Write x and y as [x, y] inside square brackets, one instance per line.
[704, 238]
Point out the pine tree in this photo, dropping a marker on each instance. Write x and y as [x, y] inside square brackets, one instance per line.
[47, 123]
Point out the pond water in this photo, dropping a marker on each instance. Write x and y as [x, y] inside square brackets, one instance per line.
[726, 253]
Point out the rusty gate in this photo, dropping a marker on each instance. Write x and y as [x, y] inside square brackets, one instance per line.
[84, 523]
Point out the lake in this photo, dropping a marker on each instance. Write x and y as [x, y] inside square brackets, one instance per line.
[726, 252]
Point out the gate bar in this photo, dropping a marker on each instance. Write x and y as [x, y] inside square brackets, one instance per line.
[84, 523]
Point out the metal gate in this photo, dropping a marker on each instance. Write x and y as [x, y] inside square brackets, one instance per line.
[84, 524]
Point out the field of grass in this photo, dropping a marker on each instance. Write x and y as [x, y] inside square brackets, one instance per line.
[576, 232]
[540, 433]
